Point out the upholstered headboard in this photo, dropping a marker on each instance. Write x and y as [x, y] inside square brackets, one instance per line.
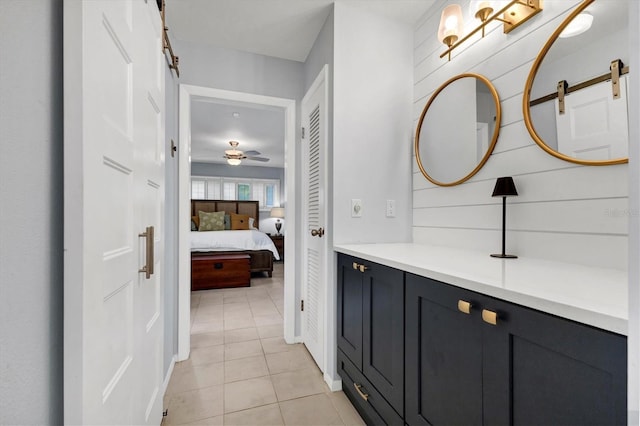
[250, 208]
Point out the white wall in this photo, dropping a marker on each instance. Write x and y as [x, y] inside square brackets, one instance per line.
[31, 212]
[633, 342]
[372, 137]
[564, 211]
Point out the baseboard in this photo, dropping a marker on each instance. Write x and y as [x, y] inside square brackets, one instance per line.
[334, 384]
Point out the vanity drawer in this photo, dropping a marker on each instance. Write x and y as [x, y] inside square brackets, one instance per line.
[375, 410]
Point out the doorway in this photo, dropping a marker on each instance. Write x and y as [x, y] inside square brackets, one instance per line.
[187, 93]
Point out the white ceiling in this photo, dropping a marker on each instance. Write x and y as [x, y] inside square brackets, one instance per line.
[284, 29]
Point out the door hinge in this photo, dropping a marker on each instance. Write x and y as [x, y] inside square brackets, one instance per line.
[303, 133]
[302, 305]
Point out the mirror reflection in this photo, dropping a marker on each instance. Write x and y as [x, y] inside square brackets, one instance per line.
[588, 123]
[458, 129]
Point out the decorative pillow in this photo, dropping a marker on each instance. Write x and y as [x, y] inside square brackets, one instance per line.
[227, 222]
[213, 221]
[252, 223]
[239, 221]
[195, 220]
[194, 227]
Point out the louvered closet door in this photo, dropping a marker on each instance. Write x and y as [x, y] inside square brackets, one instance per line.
[314, 285]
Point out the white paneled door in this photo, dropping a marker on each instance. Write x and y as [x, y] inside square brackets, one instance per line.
[595, 125]
[314, 142]
[114, 186]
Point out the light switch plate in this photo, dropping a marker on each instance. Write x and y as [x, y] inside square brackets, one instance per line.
[356, 207]
[391, 208]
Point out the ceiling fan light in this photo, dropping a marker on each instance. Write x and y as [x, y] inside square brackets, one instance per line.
[234, 161]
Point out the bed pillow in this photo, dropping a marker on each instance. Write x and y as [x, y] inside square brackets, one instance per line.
[239, 221]
[227, 222]
[252, 223]
[195, 223]
[211, 221]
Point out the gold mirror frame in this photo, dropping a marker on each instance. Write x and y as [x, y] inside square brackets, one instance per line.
[526, 98]
[494, 138]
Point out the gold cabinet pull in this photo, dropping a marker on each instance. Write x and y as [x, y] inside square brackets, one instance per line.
[362, 268]
[355, 266]
[464, 306]
[148, 267]
[363, 395]
[489, 317]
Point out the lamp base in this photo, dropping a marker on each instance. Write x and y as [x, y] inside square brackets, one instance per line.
[505, 256]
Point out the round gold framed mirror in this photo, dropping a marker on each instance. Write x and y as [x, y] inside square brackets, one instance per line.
[574, 104]
[458, 129]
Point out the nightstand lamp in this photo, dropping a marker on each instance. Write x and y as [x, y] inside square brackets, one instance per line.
[278, 212]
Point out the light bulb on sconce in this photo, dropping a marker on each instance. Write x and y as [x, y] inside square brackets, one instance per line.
[450, 25]
[512, 13]
[481, 9]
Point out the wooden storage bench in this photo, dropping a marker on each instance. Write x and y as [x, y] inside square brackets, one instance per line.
[219, 270]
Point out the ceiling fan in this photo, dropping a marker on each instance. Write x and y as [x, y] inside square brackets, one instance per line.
[234, 156]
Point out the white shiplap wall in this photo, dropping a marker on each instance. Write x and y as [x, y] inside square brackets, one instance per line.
[564, 211]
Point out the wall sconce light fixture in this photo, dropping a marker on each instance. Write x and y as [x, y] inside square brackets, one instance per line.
[512, 15]
[504, 188]
[450, 27]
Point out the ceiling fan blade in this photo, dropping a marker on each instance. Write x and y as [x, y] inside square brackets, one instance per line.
[252, 152]
[263, 159]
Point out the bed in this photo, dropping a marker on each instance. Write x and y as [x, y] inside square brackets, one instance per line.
[253, 242]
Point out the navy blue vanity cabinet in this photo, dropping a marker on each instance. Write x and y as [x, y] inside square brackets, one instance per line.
[444, 360]
[371, 338]
[502, 363]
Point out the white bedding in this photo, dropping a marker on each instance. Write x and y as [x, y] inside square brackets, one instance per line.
[232, 240]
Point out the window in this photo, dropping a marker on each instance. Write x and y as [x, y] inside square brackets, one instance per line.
[265, 191]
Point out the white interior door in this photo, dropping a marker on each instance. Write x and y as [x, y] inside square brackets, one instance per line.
[314, 141]
[594, 126]
[114, 186]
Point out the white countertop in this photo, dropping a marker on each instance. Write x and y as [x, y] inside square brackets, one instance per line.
[594, 296]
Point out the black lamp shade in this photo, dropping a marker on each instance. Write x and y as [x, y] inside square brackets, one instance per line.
[504, 187]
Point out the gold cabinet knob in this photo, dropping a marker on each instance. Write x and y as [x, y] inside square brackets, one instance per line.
[355, 266]
[490, 317]
[362, 268]
[464, 306]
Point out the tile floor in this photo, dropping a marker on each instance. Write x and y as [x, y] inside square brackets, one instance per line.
[241, 371]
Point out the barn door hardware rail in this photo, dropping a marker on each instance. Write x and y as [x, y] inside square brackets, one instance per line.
[617, 69]
[166, 43]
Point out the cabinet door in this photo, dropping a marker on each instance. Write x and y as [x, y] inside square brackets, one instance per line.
[383, 331]
[350, 309]
[540, 369]
[443, 355]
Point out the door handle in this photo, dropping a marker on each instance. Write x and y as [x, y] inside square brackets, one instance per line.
[317, 232]
[148, 267]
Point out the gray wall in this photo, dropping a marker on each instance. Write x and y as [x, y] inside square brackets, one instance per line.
[229, 69]
[31, 212]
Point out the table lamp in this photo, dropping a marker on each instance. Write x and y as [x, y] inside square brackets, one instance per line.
[504, 188]
[278, 212]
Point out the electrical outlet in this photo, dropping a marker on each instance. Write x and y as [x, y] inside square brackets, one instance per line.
[391, 208]
[356, 208]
